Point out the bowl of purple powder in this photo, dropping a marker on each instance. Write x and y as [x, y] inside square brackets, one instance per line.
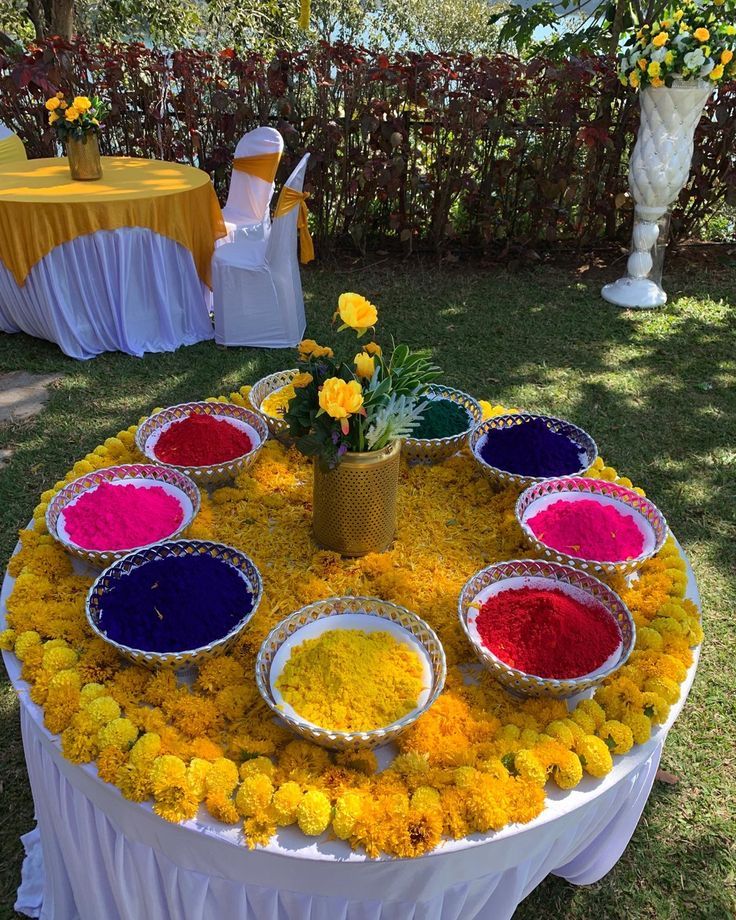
[176, 603]
[522, 449]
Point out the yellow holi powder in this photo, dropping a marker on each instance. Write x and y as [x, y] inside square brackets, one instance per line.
[350, 680]
[276, 403]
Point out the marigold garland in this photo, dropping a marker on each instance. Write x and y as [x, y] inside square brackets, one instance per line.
[475, 762]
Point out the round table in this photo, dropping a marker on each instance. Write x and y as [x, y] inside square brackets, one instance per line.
[94, 854]
[118, 264]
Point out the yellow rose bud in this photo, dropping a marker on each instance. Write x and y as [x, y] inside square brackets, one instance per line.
[53, 116]
[364, 365]
[340, 400]
[726, 56]
[81, 103]
[356, 312]
[678, 15]
[301, 380]
[373, 348]
[716, 73]
[52, 103]
[701, 34]
[642, 62]
[657, 41]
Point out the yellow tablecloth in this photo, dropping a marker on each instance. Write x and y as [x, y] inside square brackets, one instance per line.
[41, 206]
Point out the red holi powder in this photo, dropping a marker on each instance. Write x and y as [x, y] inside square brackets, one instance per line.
[122, 517]
[589, 530]
[201, 440]
[546, 632]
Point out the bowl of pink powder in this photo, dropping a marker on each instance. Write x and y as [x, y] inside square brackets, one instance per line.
[104, 515]
[209, 441]
[591, 524]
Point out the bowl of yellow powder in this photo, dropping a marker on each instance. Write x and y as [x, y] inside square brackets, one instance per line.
[270, 396]
[351, 672]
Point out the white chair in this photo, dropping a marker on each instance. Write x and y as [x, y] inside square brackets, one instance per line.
[257, 290]
[12, 148]
[256, 160]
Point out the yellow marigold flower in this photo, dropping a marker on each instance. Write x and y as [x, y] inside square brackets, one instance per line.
[356, 313]
[341, 400]
[285, 802]
[486, 812]
[134, 782]
[146, 749]
[259, 828]
[58, 659]
[701, 34]
[593, 710]
[373, 348]
[91, 692]
[617, 736]
[174, 799]
[102, 710]
[197, 771]
[716, 73]
[222, 776]
[308, 348]
[528, 766]
[220, 806]
[314, 813]
[660, 39]
[254, 794]
[726, 56]
[120, 733]
[82, 103]
[559, 730]
[365, 365]
[584, 720]
[71, 114]
[411, 835]
[647, 638]
[7, 640]
[639, 724]
[79, 740]
[567, 770]
[25, 641]
[424, 798]
[255, 765]
[655, 707]
[109, 762]
[664, 687]
[348, 809]
[594, 755]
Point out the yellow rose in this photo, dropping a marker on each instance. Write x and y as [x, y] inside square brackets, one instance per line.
[52, 103]
[653, 69]
[657, 81]
[373, 348]
[53, 116]
[81, 103]
[308, 348]
[726, 56]
[356, 312]
[72, 114]
[364, 365]
[701, 34]
[716, 73]
[678, 15]
[634, 79]
[642, 62]
[340, 400]
[669, 58]
[657, 41]
[301, 380]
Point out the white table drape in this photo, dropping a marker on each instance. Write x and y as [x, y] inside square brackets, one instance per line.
[129, 290]
[96, 855]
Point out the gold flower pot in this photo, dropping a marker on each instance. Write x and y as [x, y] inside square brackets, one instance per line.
[354, 506]
[84, 158]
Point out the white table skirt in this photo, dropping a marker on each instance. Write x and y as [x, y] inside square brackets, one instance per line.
[105, 857]
[128, 290]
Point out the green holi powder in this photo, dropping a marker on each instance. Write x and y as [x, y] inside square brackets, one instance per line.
[442, 418]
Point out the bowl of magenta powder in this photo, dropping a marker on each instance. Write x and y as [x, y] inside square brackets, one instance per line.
[209, 441]
[544, 629]
[175, 603]
[448, 417]
[522, 448]
[104, 515]
[591, 524]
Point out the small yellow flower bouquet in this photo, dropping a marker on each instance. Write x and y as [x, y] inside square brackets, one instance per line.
[693, 41]
[76, 119]
[362, 405]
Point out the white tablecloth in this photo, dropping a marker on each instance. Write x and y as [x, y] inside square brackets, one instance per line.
[105, 857]
[129, 290]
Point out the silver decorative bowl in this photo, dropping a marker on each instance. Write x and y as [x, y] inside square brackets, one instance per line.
[403, 624]
[435, 450]
[582, 439]
[261, 390]
[648, 517]
[540, 573]
[245, 419]
[123, 567]
[175, 482]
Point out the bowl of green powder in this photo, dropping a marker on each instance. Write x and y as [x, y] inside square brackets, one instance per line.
[449, 417]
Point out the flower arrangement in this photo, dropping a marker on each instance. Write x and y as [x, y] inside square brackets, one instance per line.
[692, 41]
[360, 406]
[476, 761]
[76, 119]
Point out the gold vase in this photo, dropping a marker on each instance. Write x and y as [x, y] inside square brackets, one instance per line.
[354, 505]
[84, 158]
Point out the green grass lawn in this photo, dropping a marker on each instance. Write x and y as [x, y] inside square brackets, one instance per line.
[656, 390]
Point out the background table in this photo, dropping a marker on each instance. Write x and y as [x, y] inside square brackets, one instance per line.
[94, 854]
[119, 264]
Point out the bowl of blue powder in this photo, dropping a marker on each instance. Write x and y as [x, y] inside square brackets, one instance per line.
[448, 417]
[175, 603]
[524, 449]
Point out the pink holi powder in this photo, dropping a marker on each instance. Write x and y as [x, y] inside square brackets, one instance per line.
[122, 517]
[589, 530]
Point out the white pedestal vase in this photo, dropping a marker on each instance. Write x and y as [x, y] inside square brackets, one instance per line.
[658, 169]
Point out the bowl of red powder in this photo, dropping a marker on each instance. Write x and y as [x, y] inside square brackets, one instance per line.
[522, 448]
[175, 604]
[209, 441]
[544, 629]
[104, 515]
[591, 524]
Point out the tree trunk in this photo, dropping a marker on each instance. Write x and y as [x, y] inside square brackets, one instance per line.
[38, 17]
[62, 18]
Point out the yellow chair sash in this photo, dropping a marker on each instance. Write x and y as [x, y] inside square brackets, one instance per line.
[288, 200]
[12, 149]
[261, 165]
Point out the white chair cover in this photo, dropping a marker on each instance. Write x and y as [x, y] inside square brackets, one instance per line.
[257, 289]
[11, 146]
[246, 211]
